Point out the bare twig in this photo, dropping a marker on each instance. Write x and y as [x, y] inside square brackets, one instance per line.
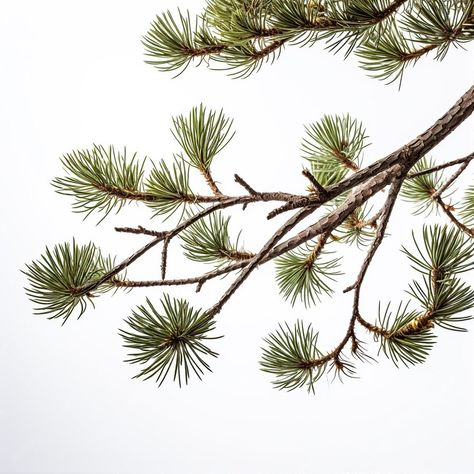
[140, 230]
[447, 209]
[164, 257]
[245, 185]
[165, 235]
[459, 161]
[453, 177]
[315, 183]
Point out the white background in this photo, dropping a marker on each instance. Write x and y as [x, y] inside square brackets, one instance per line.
[72, 74]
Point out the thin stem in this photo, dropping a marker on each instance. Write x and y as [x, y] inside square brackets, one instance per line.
[318, 188]
[246, 186]
[384, 217]
[453, 177]
[448, 211]
[164, 257]
[459, 161]
[140, 230]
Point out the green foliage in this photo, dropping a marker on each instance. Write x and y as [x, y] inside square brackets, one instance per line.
[444, 300]
[443, 248]
[169, 187]
[408, 349]
[202, 135]
[355, 22]
[298, 21]
[440, 23]
[244, 59]
[292, 357]
[333, 146]
[171, 44]
[444, 252]
[420, 189]
[388, 56]
[387, 35]
[304, 274]
[467, 206]
[169, 342]
[208, 241]
[57, 275]
[238, 21]
[100, 179]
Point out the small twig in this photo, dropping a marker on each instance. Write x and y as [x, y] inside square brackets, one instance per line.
[317, 186]
[295, 204]
[164, 257]
[441, 167]
[447, 210]
[453, 177]
[246, 186]
[88, 287]
[140, 230]
[371, 327]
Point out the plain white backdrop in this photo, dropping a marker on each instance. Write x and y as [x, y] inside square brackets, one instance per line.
[72, 74]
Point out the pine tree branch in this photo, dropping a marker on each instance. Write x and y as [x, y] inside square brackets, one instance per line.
[166, 235]
[410, 153]
[380, 174]
[172, 47]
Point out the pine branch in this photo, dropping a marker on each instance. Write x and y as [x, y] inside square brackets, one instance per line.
[172, 44]
[171, 340]
[241, 36]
